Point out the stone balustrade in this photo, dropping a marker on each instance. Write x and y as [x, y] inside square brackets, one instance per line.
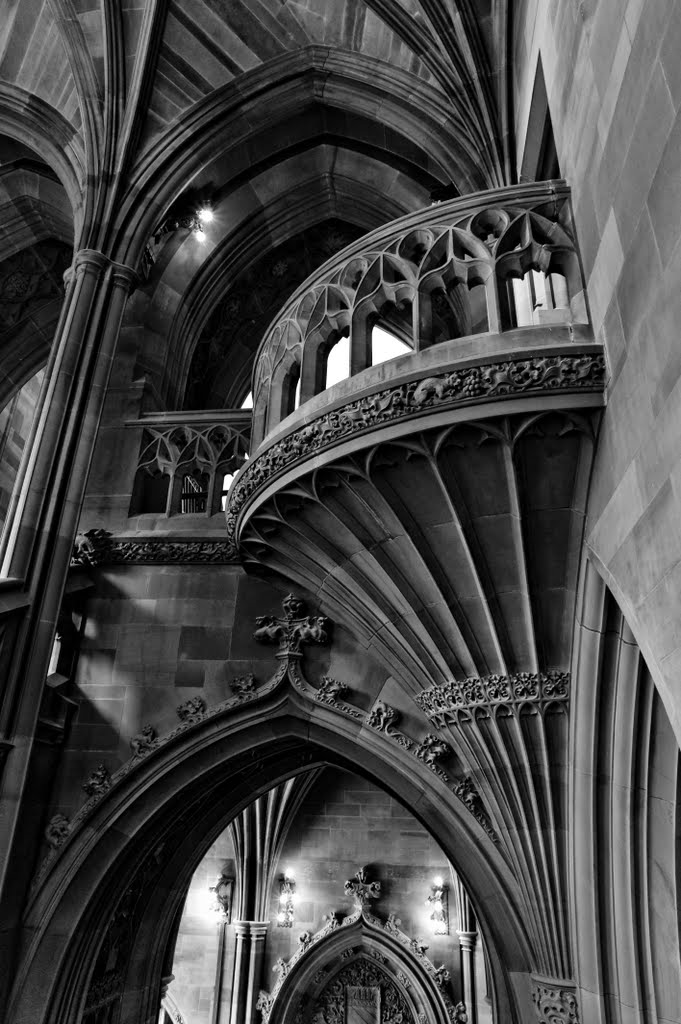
[186, 460]
[484, 264]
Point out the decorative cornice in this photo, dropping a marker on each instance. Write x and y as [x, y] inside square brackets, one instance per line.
[442, 704]
[98, 547]
[564, 373]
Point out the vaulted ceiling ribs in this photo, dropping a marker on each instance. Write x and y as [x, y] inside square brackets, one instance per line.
[449, 553]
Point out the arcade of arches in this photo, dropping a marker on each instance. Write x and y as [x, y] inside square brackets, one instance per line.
[340, 405]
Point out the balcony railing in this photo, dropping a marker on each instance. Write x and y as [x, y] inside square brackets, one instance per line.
[482, 264]
[187, 459]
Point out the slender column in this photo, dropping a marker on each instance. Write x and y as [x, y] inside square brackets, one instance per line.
[467, 943]
[248, 957]
[42, 521]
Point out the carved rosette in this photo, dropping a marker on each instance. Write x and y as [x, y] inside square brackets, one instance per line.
[555, 1004]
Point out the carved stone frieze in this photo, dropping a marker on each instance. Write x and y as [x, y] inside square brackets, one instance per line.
[442, 704]
[555, 1004]
[98, 547]
[57, 830]
[565, 372]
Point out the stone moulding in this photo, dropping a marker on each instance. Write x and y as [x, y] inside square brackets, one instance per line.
[98, 547]
[441, 704]
[564, 373]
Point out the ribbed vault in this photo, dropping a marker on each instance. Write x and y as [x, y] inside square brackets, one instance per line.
[451, 552]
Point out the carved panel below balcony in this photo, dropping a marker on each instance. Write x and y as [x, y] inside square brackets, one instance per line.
[440, 519]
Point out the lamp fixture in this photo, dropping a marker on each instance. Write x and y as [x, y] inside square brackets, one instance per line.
[287, 895]
[438, 904]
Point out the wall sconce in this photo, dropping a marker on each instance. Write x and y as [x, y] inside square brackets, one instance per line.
[223, 890]
[287, 893]
[438, 904]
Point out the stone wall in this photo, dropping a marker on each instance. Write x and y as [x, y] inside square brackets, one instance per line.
[614, 93]
[158, 635]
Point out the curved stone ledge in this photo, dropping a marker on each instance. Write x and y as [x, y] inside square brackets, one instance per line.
[565, 373]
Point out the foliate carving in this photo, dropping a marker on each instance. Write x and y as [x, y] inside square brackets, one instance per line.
[393, 923]
[442, 975]
[99, 781]
[330, 691]
[554, 1004]
[432, 749]
[563, 372]
[243, 686]
[57, 830]
[383, 718]
[144, 741]
[460, 1014]
[361, 889]
[469, 796]
[442, 704]
[191, 710]
[292, 630]
[304, 939]
[108, 550]
[91, 547]
[403, 979]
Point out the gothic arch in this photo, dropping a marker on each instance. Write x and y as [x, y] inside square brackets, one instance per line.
[33, 122]
[177, 800]
[203, 138]
[359, 947]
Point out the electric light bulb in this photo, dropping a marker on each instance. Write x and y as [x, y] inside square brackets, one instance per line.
[289, 873]
[438, 881]
[201, 235]
[281, 916]
[205, 215]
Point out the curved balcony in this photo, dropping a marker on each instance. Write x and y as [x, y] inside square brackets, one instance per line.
[501, 267]
[435, 502]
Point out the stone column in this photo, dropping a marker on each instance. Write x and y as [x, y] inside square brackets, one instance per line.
[248, 957]
[467, 942]
[42, 523]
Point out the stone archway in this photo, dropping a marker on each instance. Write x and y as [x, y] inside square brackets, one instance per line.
[149, 830]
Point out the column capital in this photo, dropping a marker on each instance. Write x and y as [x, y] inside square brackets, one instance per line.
[251, 929]
[98, 262]
[467, 940]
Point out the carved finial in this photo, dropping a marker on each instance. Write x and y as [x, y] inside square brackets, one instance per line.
[361, 890]
[292, 630]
